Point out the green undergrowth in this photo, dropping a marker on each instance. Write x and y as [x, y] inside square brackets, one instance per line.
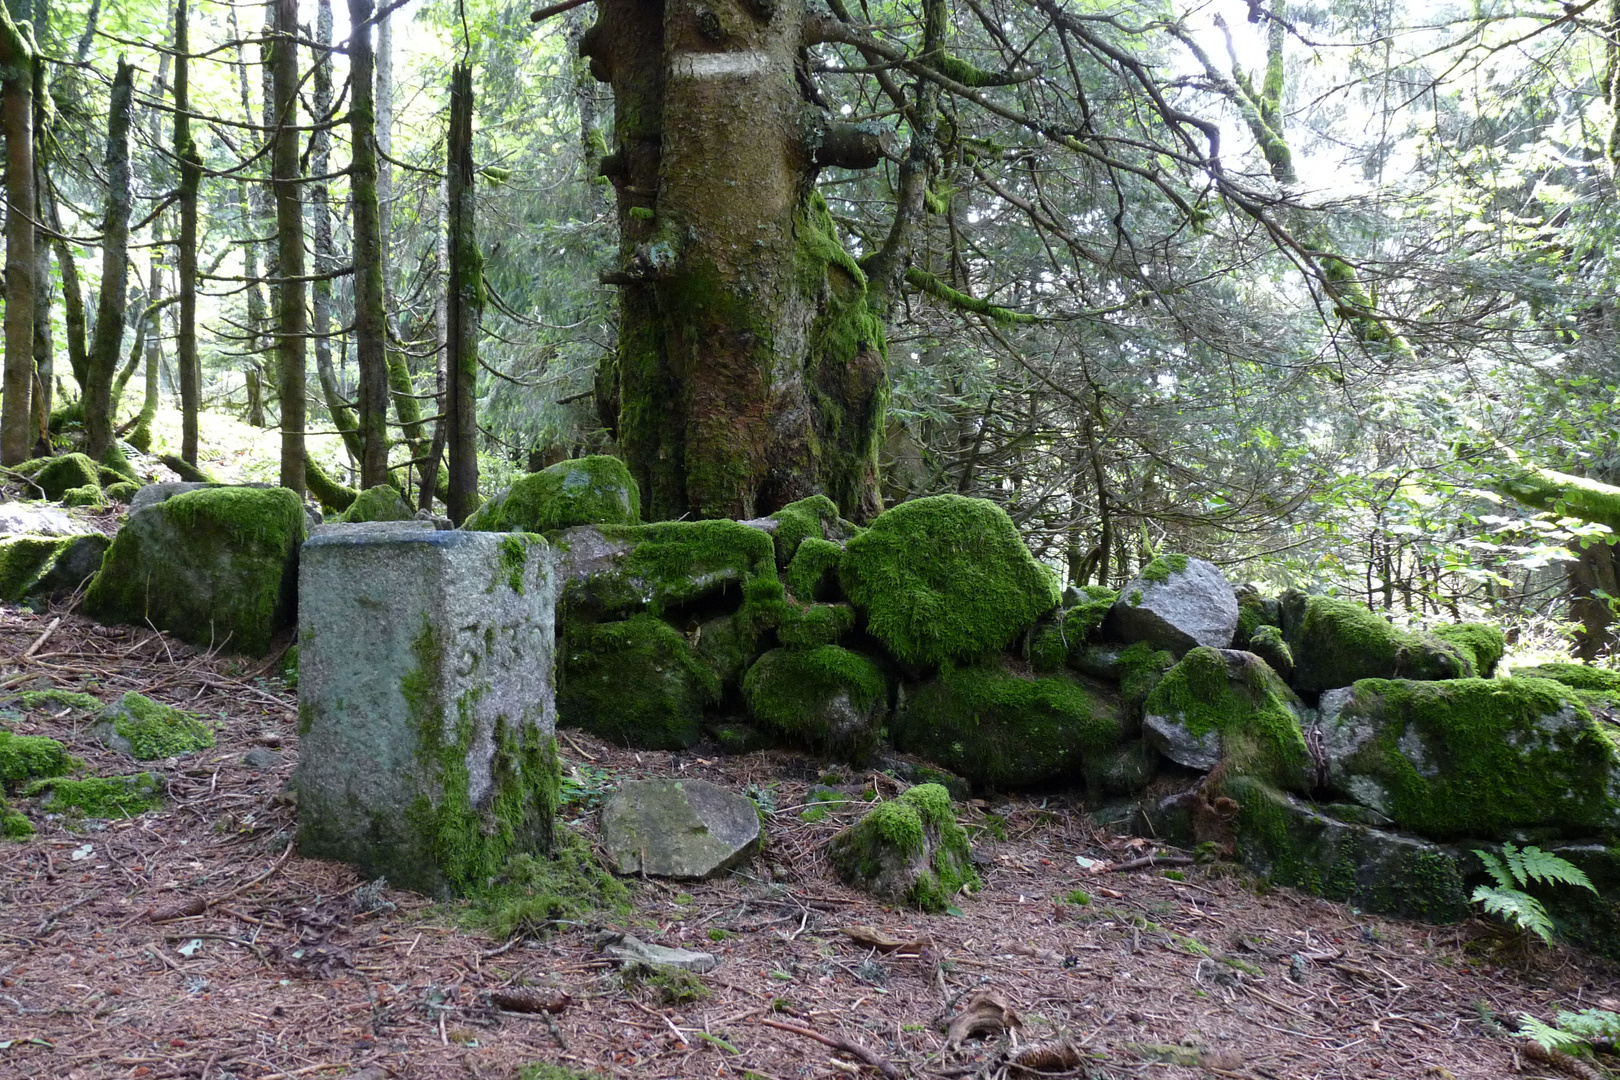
[946, 579]
[99, 796]
[13, 825]
[535, 895]
[1251, 707]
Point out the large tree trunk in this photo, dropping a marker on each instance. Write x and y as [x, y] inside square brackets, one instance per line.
[370, 329]
[17, 123]
[190, 181]
[292, 321]
[750, 365]
[464, 301]
[107, 342]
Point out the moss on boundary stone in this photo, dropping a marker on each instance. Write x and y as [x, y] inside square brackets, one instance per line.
[1001, 730]
[1481, 644]
[99, 796]
[469, 845]
[150, 731]
[635, 683]
[583, 491]
[1494, 754]
[945, 579]
[24, 758]
[826, 698]
[1336, 642]
[535, 894]
[231, 580]
[61, 474]
[893, 840]
[814, 560]
[380, 503]
[1251, 707]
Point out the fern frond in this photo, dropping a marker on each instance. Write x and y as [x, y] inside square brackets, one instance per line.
[1518, 909]
[1593, 1025]
[1533, 864]
[1546, 1036]
[1497, 869]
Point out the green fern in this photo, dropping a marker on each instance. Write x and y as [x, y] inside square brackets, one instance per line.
[1548, 1037]
[1515, 869]
[1574, 1033]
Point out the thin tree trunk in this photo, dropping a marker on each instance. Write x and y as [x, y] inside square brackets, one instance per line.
[43, 345]
[73, 317]
[17, 123]
[250, 200]
[320, 214]
[464, 301]
[291, 320]
[370, 329]
[190, 180]
[141, 437]
[107, 342]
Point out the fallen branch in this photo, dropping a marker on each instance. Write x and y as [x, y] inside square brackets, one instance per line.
[853, 1049]
[40, 641]
[1151, 860]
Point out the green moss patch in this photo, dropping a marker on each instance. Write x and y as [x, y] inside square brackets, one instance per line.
[1238, 696]
[1159, 570]
[814, 518]
[1579, 676]
[60, 475]
[24, 758]
[636, 683]
[585, 491]
[534, 895]
[99, 796]
[827, 698]
[23, 559]
[812, 574]
[1480, 644]
[1002, 730]
[53, 699]
[1476, 757]
[810, 625]
[380, 503]
[13, 825]
[945, 579]
[113, 459]
[89, 495]
[1336, 642]
[1140, 668]
[150, 731]
[909, 850]
[121, 492]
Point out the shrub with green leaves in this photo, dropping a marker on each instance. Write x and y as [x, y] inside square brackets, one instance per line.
[1513, 871]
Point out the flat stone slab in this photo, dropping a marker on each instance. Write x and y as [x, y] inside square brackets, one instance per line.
[20, 519]
[426, 711]
[678, 828]
[629, 950]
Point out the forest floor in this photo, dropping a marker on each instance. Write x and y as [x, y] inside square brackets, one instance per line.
[292, 968]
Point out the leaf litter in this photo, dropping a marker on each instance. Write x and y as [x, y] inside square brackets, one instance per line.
[192, 941]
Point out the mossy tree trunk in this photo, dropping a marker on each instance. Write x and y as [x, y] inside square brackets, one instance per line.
[370, 326]
[464, 302]
[44, 347]
[292, 321]
[185, 151]
[107, 341]
[74, 323]
[17, 59]
[750, 369]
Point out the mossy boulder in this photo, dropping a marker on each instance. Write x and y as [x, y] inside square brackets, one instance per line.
[380, 503]
[44, 567]
[810, 625]
[1124, 770]
[1589, 920]
[828, 699]
[814, 518]
[147, 730]
[215, 567]
[1138, 669]
[908, 851]
[59, 475]
[945, 580]
[1291, 842]
[1473, 757]
[99, 796]
[90, 495]
[1176, 603]
[813, 573]
[1227, 706]
[584, 491]
[13, 825]
[1482, 645]
[1576, 676]
[1254, 611]
[1267, 642]
[728, 644]
[1002, 730]
[637, 683]
[1337, 642]
[25, 758]
[122, 492]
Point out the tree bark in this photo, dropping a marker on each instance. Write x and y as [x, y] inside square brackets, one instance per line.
[750, 369]
[251, 203]
[44, 347]
[185, 151]
[107, 341]
[370, 328]
[464, 301]
[17, 61]
[73, 317]
[320, 215]
[292, 321]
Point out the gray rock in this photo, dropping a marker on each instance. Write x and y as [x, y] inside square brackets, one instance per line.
[426, 712]
[628, 950]
[1098, 661]
[262, 758]
[1124, 770]
[1182, 603]
[152, 494]
[1170, 737]
[688, 829]
[38, 569]
[24, 519]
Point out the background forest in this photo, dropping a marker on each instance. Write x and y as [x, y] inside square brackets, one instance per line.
[1321, 292]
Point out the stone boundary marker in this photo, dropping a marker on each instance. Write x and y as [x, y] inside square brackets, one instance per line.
[426, 709]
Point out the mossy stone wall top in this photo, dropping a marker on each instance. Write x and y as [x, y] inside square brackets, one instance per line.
[946, 579]
[595, 490]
